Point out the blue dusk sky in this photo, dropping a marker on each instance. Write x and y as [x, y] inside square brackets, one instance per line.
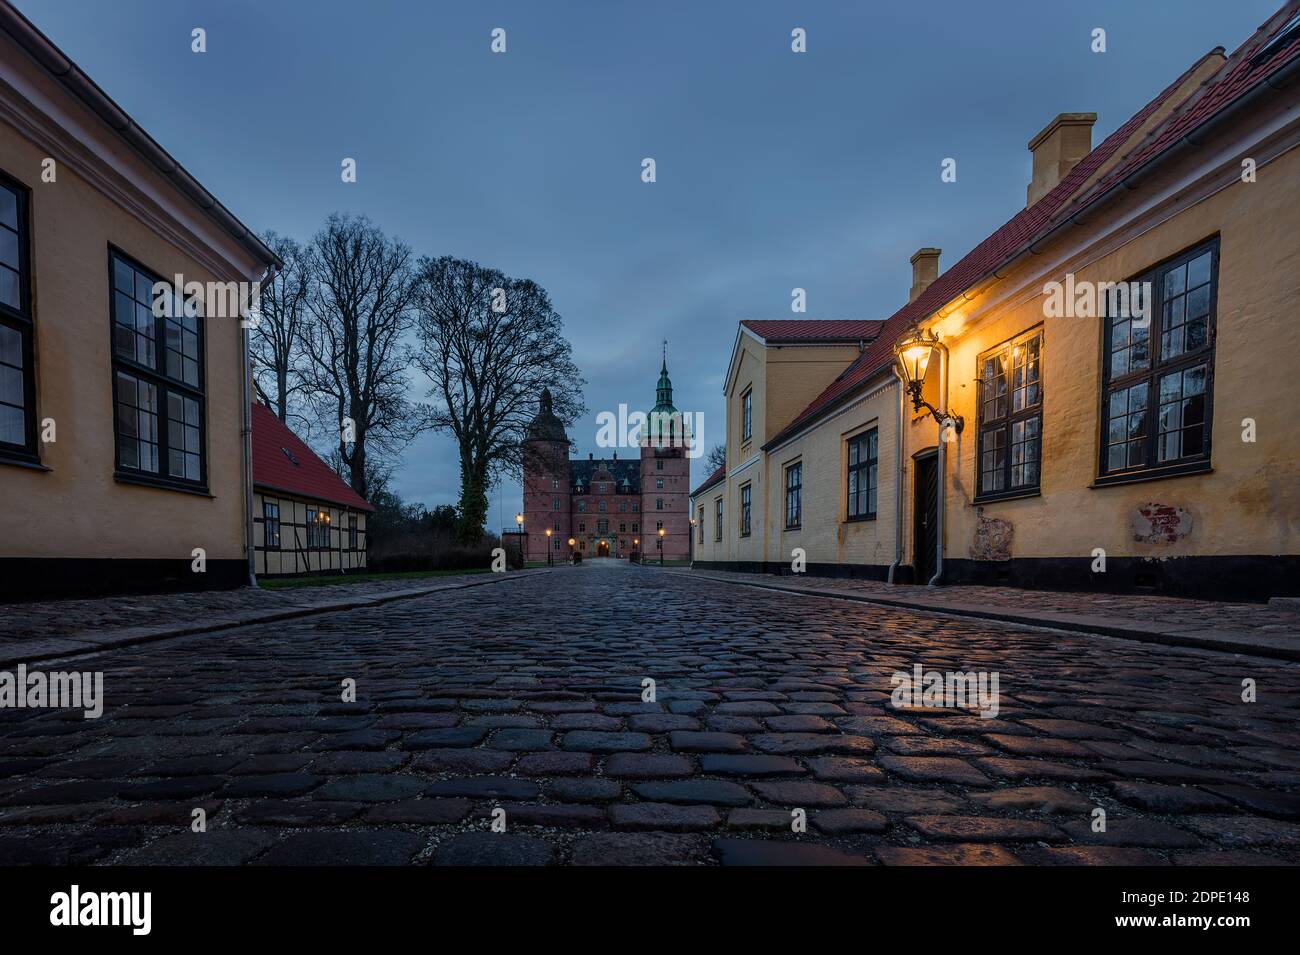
[775, 170]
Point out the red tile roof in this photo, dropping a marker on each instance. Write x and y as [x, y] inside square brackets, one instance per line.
[814, 330]
[1236, 77]
[282, 462]
[711, 480]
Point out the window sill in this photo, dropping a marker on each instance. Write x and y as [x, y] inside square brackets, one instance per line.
[793, 527]
[1139, 477]
[859, 519]
[31, 463]
[1017, 495]
[122, 477]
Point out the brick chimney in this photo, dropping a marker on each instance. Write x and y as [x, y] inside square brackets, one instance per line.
[925, 269]
[1056, 150]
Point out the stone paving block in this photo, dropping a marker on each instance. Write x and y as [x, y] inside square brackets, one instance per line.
[596, 742]
[983, 829]
[647, 766]
[960, 855]
[639, 848]
[749, 852]
[689, 792]
[662, 816]
[357, 847]
[939, 769]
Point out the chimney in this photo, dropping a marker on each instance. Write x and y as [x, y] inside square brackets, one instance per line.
[591, 455]
[925, 269]
[1056, 150]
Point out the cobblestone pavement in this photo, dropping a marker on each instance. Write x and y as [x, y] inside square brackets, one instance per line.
[68, 626]
[1275, 625]
[525, 696]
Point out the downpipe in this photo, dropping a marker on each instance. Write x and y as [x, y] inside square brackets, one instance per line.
[943, 473]
[900, 479]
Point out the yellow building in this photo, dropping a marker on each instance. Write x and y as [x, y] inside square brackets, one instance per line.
[1096, 396]
[124, 458]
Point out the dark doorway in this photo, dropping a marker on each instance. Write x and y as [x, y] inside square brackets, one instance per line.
[602, 549]
[925, 545]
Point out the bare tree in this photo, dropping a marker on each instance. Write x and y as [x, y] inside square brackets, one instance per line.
[361, 294]
[716, 458]
[489, 344]
[277, 340]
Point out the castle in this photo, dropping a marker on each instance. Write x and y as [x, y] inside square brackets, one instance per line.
[606, 506]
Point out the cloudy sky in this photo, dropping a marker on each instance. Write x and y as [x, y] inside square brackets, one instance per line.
[775, 170]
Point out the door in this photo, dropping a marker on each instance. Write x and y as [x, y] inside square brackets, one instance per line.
[925, 545]
[602, 549]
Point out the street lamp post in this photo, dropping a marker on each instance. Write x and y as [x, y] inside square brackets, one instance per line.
[523, 539]
[636, 546]
[549, 561]
[661, 547]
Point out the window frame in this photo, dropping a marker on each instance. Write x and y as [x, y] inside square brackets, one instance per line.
[23, 321]
[354, 533]
[863, 466]
[1151, 469]
[797, 490]
[747, 415]
[268, 521]
[717, 519]
[745, 495]
[1006, 423]
[164, 386]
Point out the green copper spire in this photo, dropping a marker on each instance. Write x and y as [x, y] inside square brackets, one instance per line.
[664, 390]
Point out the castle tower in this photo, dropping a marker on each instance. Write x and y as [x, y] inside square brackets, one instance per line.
[546, 484]
[665, 477]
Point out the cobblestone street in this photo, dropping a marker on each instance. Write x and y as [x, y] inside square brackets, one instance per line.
[524, 695]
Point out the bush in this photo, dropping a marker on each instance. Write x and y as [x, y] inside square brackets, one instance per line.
[408, 537]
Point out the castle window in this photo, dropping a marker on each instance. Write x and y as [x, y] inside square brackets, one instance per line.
[600, 506]
[659, 504]
[582, 528]
[746, 508]
[555, 504]
[635, 527]
[622, 506]
[659, 484]
[634, 507]
[659, 464]
[622, 528]
[582, 505]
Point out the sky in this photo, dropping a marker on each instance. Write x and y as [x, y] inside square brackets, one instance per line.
[775, 170]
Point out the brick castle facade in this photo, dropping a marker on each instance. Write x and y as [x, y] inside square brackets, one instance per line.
[608, 507]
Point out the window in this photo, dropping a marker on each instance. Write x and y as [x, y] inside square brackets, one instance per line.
[634, 507]
[555, 504]
[659, 464]
[747, 415]
[318, 529]
[271, 524]
[659, 504]
[1011, 417]
[864, 465]
[157, 386]
[717, 519]
[746, 500]
[17, 381]
[659, 484]
[622, 507]
[659, 544]
[582, 528]
[582, 506]
[602, 527]
[352, 532]
[659, 525]
[636, 528]
[1159, 376]
[555, 526]
[622, 528]
[701, 524]
[794, 495]
[600, 505]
